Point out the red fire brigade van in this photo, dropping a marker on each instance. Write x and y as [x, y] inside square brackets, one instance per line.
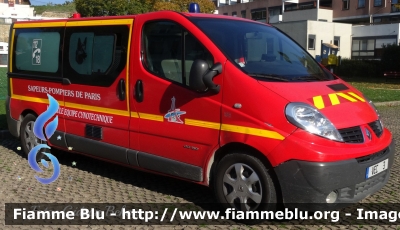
[220, 101]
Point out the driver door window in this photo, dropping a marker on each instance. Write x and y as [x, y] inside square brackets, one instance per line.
[169, 51]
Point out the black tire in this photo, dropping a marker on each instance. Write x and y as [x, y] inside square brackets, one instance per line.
[254, 192]
[28, 138]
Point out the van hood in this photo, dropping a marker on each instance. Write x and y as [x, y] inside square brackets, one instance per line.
[341, 103]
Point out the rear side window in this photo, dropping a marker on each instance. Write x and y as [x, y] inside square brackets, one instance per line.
[38, 51]
[95, 55]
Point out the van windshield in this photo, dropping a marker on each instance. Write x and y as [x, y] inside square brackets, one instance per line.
[261, 51]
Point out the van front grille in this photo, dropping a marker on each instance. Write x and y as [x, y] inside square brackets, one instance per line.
[376, 127]
[352, 135]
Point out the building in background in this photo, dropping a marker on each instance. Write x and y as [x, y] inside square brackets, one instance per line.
[373, 22]
[3, 54]
[16, 9]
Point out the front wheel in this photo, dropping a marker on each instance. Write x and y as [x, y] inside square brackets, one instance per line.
[242, 182]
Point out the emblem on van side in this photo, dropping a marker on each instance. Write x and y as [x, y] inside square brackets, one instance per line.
[36, 51]
[42, 123]
[174, 114]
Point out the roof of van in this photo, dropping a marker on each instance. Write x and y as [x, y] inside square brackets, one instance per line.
[198, 15]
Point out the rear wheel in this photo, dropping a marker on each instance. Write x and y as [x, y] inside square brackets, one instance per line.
[242, 182]
[28, 138]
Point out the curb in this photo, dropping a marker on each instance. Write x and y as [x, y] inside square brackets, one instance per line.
[388, 103]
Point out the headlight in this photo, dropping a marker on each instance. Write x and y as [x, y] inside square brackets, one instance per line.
[310, 119]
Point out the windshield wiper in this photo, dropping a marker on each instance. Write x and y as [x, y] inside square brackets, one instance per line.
[268, 76]
[307, 78]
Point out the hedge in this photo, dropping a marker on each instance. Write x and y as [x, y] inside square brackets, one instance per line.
[359, 68]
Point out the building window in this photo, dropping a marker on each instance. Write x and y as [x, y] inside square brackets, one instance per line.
[362, 48]
[336, 41]
[395, 6]
[259, 14]
[225, 13]
[377, 20]
[311, 41]
[3, 59]
[346, 4]
[377, 2]
[243, 13]
[361, 3]
[234, 14]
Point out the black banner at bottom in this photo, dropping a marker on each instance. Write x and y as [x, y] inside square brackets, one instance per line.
[194, 214]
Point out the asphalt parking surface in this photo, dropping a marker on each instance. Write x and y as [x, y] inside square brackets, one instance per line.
[95, 181]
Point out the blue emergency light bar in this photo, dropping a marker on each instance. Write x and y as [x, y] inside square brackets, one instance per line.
[194, 8]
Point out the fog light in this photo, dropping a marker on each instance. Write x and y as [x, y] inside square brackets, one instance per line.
[331, 198]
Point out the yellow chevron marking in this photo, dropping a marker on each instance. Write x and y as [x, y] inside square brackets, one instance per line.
[356, 96]
[318, 102]
[345, 96]
[334, 99]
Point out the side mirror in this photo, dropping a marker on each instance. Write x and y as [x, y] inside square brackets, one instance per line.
[200, 77]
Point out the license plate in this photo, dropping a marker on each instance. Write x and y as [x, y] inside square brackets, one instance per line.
[377, 168]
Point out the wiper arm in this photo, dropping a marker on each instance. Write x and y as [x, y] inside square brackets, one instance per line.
[307, 78]
[268, 76]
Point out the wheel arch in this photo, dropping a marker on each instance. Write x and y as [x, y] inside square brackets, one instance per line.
[21, 118]
[237, 147]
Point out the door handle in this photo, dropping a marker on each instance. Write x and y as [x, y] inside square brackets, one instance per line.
[121, 90]
[139, 91]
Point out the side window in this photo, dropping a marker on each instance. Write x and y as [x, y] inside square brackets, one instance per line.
[38, 51]
[95, 55]
[169, 51]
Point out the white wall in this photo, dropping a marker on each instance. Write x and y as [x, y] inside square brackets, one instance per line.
[324, 31]
[377, 30]
[325, 15]
[17, 10]
[299, 15]
[311, 14]
[4, 46]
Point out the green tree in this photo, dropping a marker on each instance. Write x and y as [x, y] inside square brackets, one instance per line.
[206, 6]
[90, 8]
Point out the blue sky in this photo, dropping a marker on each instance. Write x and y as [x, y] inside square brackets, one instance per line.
[45, 2]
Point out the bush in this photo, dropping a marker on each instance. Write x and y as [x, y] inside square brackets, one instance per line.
[359, 68]
[391, 58]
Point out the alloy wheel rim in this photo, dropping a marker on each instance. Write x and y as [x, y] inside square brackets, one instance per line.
[30, 139]
[242, 187]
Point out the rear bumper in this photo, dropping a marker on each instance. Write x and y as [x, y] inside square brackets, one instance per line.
[13, 125]
[309, 183]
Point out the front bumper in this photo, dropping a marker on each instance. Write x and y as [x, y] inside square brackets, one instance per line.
[309, 183]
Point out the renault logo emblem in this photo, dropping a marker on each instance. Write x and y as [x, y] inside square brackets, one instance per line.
[368, 133]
